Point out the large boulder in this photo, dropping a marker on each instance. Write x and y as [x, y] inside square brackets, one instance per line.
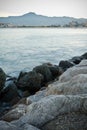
[84, 56]
[76, 85]
[10, 93]
[83, 63]
[71, 72]
[50, 107]
[30, 81]
[65, 65]
[2, 79]
[76, 59]
[45, 71]
[55, 70]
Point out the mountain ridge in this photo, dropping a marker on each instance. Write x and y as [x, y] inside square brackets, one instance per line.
[33, 19]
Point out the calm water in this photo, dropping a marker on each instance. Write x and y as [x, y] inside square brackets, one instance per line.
[23, 49]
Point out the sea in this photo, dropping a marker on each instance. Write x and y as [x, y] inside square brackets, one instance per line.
[21, 49]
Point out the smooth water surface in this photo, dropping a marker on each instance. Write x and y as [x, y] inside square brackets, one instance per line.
[24, 48]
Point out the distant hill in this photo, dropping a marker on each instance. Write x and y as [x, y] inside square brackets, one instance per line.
[33, 19]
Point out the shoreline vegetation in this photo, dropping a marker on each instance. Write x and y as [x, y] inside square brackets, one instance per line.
[49, 97]
[72, 24]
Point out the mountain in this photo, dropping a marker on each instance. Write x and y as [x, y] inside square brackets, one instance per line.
[33, 19]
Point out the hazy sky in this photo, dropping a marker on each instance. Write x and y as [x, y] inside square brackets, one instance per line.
[73, 8]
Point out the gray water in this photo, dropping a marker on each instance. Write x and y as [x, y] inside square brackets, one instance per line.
[24, 48]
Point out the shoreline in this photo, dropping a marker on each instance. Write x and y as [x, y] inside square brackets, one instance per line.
[44, 27]
[39, 83]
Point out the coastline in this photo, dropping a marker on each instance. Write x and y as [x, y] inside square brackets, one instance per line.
[20, 94]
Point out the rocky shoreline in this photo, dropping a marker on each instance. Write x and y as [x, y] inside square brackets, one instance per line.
[50, 97]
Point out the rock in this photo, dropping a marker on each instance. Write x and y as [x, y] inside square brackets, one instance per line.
[45, 71]
[83, 63]
[76, 59]
[55, 70]
[76, 85]
[21, 101]
[71, 72]
[10, 93]
[15, 113]
[22, 74]
[8, 126]
[30, 81]
[4, 107]
[2, 79]
[35, 98]
[50, 107]
[84, 56]
[65, 65]
[71, 121]
[29, 127]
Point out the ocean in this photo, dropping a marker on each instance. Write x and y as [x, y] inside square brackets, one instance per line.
[21, 49]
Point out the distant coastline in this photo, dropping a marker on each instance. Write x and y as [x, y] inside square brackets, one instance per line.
[33, 20]
[4, 25]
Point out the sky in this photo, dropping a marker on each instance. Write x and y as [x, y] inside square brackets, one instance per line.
[71, 8]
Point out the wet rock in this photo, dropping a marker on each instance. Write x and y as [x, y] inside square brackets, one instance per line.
[30, 81]
[45, 71]
[76, 59]
[10, 93]
[2, 79]
[65, 65]
[84, 56]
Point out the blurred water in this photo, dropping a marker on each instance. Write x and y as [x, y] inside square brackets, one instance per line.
[24, 48]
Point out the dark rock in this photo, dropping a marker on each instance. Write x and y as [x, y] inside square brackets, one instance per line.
[45, 71]
[84, 56]
[10, 93]
[30, 81]
[55, 70]
[2, 79]
[76, 59]
[4, 107]
[65, 65]
[22, 74]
